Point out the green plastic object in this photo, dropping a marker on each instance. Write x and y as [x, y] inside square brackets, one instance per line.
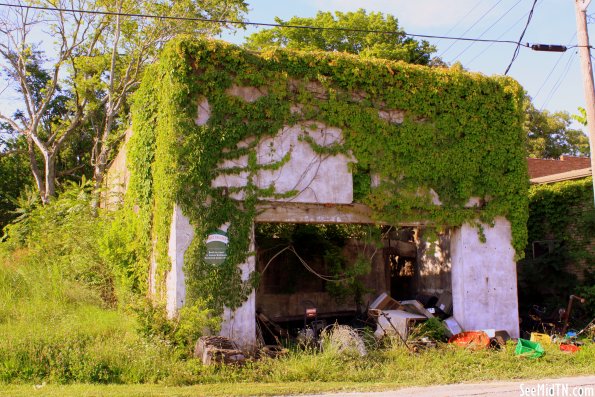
[526, 348]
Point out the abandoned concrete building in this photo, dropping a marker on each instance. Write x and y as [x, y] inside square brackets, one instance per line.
[245, 149]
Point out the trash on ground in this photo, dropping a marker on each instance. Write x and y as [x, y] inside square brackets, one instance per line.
[568, 348]
[272, 351]
[396, 322]
[526, 348]
[541, 338]
[218, 350]
[343, 339]
[452, 326]
[385, 302]
[473, 340]
[503, 334]
[415, 307]
[497, 342]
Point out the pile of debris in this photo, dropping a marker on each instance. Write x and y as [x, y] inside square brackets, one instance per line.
[400, 318]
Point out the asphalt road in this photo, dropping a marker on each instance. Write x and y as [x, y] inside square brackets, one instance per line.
[562, 387]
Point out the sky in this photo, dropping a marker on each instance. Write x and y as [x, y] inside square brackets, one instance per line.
[553, 80]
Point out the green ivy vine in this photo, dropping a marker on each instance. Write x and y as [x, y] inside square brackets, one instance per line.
[461, 136]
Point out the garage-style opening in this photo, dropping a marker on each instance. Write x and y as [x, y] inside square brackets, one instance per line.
[315, 275]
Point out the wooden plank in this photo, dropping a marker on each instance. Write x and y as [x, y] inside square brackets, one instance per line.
[284, 212]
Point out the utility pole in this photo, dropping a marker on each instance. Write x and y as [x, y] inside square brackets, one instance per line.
[587, 68]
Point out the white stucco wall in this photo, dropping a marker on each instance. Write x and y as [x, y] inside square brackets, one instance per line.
[483, 274]
[180, 237]
[317, 178]
[240, 324]
[484, 284]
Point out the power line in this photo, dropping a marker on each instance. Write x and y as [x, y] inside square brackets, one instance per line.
[488, 29]
[517, 49]
[471, 27]
[262, 24]
[553, 69]
[559, 81]
[477, 4]
[501, 35]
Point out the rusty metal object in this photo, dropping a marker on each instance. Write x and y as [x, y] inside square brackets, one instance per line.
[569, 310]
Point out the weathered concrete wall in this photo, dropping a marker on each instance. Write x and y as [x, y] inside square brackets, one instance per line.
[240, 324]
[484, 285]
[117, 177]
[316, 178]
[181, 236]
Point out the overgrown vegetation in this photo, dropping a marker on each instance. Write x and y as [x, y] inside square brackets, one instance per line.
[67, 313]
[561, 227]
[469, 125]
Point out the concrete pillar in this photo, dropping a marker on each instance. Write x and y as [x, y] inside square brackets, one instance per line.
[240, 324]
[484, 282]
[181, 235]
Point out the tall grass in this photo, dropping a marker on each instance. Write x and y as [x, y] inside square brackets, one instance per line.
[63, 316]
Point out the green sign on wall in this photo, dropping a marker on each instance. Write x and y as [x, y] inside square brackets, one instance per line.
[216, 247]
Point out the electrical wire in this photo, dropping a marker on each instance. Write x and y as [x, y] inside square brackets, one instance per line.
[553, 69]
[468, 63]
[560, 81]
[290, 248]
[262, 24]
[488, 29]
[471, 27]
[477, 4]
[517, 49]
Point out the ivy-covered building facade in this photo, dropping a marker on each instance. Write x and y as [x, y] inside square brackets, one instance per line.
[225, 140]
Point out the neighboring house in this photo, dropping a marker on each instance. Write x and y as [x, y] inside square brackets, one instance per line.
[554, 170]
[225, 139]
[562, 214]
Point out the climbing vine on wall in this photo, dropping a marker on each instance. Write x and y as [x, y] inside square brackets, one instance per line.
[561, 227]
[460, 135]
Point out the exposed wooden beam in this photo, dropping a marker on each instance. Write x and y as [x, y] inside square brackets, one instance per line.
[287, 212]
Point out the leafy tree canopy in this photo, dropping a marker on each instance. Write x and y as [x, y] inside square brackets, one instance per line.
[550, 135]
[395, 46]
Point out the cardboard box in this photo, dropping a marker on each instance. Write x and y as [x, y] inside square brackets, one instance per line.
[384, 302]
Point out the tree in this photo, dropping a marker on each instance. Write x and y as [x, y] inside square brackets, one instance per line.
[395, 46]
[98, 59]
[14, 177]
[549, 135]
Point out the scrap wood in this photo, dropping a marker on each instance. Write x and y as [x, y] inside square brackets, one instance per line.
[218, 349]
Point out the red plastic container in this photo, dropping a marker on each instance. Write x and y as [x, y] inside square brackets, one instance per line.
[474, 340]
[569, 348]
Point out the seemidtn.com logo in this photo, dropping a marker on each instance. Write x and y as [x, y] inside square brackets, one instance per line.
[556, 390]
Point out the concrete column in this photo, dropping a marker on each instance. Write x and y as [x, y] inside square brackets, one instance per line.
[240, 325]
[484, 282]
[181, 235]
